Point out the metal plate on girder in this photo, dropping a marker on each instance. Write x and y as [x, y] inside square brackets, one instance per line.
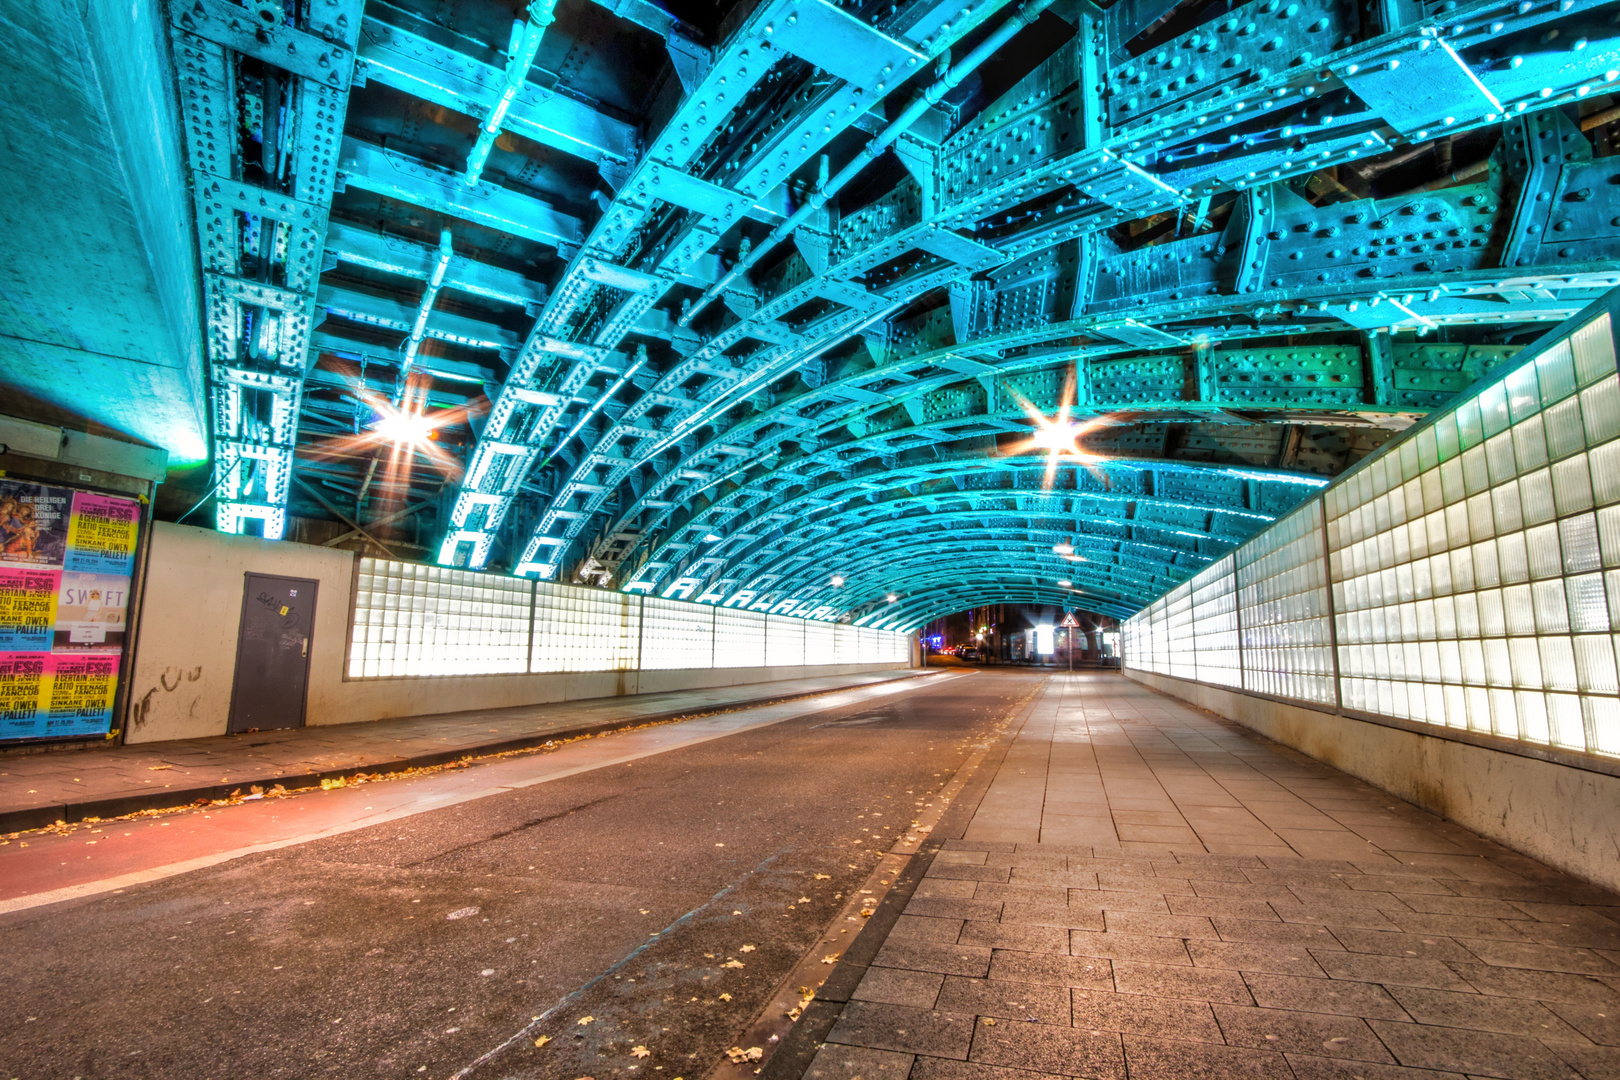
[256, 200]
[1419, 89]
[275, 43]
[957, 248]
[844, 46]
[673, 186]
[256, 293]
[1134, 333]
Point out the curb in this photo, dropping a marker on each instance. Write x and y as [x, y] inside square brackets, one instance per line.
[38, 817]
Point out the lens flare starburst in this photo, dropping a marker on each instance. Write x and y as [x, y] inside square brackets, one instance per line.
[1059, 436]
[397, 436]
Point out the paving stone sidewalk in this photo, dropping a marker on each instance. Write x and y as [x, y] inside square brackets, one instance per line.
[38, 789]
[1146, 892]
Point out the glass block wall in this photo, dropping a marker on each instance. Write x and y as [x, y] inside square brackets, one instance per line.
[1287, 646]
[1467, 577]
[433, 620]
[1214, 624]
[413, 620]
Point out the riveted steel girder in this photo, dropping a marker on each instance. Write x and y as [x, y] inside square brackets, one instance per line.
[260, 223]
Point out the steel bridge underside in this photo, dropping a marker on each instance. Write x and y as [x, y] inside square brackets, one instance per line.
[756, 312]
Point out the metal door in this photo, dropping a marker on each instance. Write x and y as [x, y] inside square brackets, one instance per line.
[272, 653]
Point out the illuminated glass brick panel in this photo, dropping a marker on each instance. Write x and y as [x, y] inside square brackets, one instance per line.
[1469, 568]
[676, 635]
[739, 638]
[579, 629]
[846, 643]
[1215, 624]
[414, 620]
[1182, 662]
[820, 646]
[784, 641]
[1283, 606]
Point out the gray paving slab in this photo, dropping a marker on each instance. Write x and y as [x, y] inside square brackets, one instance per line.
[1164, 896]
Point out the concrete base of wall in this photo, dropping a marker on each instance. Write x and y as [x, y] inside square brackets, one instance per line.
[1561, 815]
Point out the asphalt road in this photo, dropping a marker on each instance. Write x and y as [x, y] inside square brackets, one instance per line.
[651, 904]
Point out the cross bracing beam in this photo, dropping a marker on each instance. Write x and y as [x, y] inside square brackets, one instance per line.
[934, 598]
[397, 255]
[885, 554]
[425, 69]
[400, 176]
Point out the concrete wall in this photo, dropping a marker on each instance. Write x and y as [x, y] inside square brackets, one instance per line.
[1562, 815]
[186, 647]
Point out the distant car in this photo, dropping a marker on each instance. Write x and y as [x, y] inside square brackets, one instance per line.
[970, 653]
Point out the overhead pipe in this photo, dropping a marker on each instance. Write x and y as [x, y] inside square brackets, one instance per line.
[441, 264]
[519, 59]
[1025, 16]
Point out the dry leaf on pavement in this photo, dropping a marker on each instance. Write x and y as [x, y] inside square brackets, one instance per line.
[586, 1020]
[542, 1040]
[746, 948]
[831, 958]
[640, 1052]
[733, 964]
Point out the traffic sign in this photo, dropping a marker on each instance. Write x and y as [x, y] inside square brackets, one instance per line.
[1069, 619]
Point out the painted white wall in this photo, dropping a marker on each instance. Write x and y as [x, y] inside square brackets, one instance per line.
[1559, 814]
[185, 651]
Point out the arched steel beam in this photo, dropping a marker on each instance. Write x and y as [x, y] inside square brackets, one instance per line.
[954, 481]
[854, 546]
[876, 571]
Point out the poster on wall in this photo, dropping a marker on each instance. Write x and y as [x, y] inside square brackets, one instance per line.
[24, 685]
[101, 534]
[33, 522]
[66, 560]
[28, 607]
[80, 698]
[90, 611]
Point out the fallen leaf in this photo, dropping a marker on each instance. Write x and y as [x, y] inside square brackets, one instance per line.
[793, 1013]
[586, 1020]
[989, 1022]
[739, 1056]
[736, 912]
[831, 958]
[747, 948]
[732, 964]
[804, 899]
[542, 1040]
[725, 997]
[823, 877]
[640, 1052]
[644, 911]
